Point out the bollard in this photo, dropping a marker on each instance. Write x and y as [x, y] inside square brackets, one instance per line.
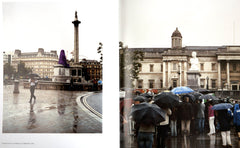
[16, 84]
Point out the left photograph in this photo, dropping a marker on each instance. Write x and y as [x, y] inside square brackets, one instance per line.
[52, 68]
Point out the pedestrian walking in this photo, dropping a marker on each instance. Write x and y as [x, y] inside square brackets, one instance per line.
[173, 121]
[200, 116]
[224, 119]
[211, 119]
[186, 115]
[236, 119]
[33, 84]
[162, 129]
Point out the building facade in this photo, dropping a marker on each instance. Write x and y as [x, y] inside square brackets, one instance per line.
[40, 62]
[91, 69]
[168, 67]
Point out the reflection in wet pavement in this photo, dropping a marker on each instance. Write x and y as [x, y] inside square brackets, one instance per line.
[54, 112]
[32, 117]
[194, 141]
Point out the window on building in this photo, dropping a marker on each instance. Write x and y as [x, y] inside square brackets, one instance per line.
[74, 72]
[140, 68]
[161, 83]
[161, 67]
[151, 67]
[79, 72]
[151, 83]
[202, 66]
[174, 66]
[174, 83]
[234, 67]
[234, 87]
[213, 83]
[140, 83]
[202, 83]
[214, 67]
[223, 66]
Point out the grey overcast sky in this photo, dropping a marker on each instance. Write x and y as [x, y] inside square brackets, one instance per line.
[33, 24]
[150, 23]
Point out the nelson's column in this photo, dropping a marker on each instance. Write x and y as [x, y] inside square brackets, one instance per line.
[76, 22]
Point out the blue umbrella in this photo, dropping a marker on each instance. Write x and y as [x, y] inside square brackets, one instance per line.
[222, 106]
[182, 90]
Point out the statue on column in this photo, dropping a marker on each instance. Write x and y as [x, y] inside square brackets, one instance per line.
[194, 62]
[76, 17]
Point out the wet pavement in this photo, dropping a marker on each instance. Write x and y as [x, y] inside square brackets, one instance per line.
[54, 111]
[194, 141]
[91, 100]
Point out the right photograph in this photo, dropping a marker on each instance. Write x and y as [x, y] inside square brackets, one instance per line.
[179, 74]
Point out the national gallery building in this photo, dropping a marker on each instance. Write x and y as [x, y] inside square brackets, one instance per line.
[219, 66]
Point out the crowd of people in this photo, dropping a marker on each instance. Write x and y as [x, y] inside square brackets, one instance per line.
[191, 118]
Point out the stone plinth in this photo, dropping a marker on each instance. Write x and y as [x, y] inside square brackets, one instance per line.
[193, 79]
[16, 89]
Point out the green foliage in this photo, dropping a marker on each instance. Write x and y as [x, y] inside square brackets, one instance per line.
[9, 70]
[99, 51]
[22, 70]
[129, 65]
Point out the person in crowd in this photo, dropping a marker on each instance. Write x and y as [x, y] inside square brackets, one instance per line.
[201, 116]
[173, 121]
[145, 135]
[224, 119]
[33, 84]
[162, 129]
[194, 125]
[236, 118]
[186, 115]
[211, 119]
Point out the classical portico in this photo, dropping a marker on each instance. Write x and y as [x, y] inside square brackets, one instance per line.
[174, 70]
[229, 68]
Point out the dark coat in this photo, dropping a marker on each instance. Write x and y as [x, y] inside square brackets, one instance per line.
[186, 111]
[236, 115]
[224, 120]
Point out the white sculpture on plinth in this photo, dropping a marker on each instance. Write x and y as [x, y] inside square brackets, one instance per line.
[194, 62]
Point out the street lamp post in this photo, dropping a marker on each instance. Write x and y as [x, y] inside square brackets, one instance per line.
[207, 81]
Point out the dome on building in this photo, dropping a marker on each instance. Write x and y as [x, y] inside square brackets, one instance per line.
[176, 33]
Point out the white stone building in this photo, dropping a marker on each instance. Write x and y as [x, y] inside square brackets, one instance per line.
[167, 67]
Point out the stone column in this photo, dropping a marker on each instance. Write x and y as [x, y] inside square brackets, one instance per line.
[169, 74]
[76, 22]
[185, 73]
[219, 75]
[164, 74]
[228, 75]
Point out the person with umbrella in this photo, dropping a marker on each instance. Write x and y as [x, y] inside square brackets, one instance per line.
[33, 84]
[186, 115]
[201, 116]
[146, 116]
[224, 120]
[211, 119]
[162, 128]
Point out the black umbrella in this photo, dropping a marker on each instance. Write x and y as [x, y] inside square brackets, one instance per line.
[191, 97]
[147, 113]
[147, 96]
[166, 99]
[203, 91]
[196, 94]
[140, 98]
